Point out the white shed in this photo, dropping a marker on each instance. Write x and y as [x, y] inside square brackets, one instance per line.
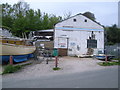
[78, 36]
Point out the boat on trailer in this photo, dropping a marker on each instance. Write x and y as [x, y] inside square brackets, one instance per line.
[21, 49]
[104, 56]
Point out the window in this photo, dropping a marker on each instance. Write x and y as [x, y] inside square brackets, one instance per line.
[89, 37]
[91, 43]
[92, 35]
[74, 20]
[85, 20]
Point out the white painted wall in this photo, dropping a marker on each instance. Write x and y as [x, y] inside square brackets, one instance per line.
[77, 33]
[79, 23]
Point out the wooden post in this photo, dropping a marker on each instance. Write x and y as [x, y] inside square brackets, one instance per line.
[11, 60]
[56, 61]
[47, 61]
[106, 59]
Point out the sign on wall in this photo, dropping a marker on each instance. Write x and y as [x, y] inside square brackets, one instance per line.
[62, 42]
[72, 44]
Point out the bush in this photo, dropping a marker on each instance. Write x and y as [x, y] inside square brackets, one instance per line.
[56, 68]
[11, 69]
[109, 63]
[116, 59]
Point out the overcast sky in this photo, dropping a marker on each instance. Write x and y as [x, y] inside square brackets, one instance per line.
[105, 12]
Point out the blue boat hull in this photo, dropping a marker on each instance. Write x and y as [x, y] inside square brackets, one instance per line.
[100, 57]
[16, 58]
[109, 57]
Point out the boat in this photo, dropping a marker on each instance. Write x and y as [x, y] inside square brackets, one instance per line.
[100, 55]
[20, 49]
[104, 56]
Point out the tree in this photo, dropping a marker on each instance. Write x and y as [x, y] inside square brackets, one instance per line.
[45, 21]
[89, 15]
[20, 9]
[7, 12]
[21, 19]
[67, 15]
[0, 15]
[19, 26]
[113, 34]
[53, 20]
[20, 22]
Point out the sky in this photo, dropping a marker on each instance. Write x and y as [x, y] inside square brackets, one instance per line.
[105, 11]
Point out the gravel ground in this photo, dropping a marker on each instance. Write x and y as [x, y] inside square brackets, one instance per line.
[67, 64]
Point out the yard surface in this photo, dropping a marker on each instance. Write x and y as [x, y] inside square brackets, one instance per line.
[69, 66]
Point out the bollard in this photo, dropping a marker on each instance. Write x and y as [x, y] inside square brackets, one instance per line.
[55, 53]
[106, 59]
[11, 60]
[56, 61]
[47, 61]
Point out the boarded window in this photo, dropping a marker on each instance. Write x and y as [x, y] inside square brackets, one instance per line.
[91, 43]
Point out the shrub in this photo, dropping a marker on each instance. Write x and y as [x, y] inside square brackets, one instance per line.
[56, 68]
[117, 59]
[11, 69]
[109, 63]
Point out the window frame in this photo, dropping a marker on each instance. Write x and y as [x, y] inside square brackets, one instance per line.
[91, 43]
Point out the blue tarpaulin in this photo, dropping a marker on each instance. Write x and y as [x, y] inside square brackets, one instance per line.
[16, 58]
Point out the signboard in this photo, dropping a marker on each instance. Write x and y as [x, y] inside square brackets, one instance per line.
[55, 52]
[62, 42]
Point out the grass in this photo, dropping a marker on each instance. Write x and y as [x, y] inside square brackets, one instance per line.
[109, 63]
[56, 68]
[117, 59]
[11, 69]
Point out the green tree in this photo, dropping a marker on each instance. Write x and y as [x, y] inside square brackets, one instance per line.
[113, 34]
[89, 15]
[20, 22]
[53, 20]
[21, 19]
[20, 9]
[45, 21]
[7, 12]
[0, 15]
[19, 26]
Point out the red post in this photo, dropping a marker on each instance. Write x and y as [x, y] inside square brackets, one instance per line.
[56, 61]
[11, 60]
[106, 59]
[47, 61]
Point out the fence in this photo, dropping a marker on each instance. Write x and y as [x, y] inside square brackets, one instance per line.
[113, 50]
